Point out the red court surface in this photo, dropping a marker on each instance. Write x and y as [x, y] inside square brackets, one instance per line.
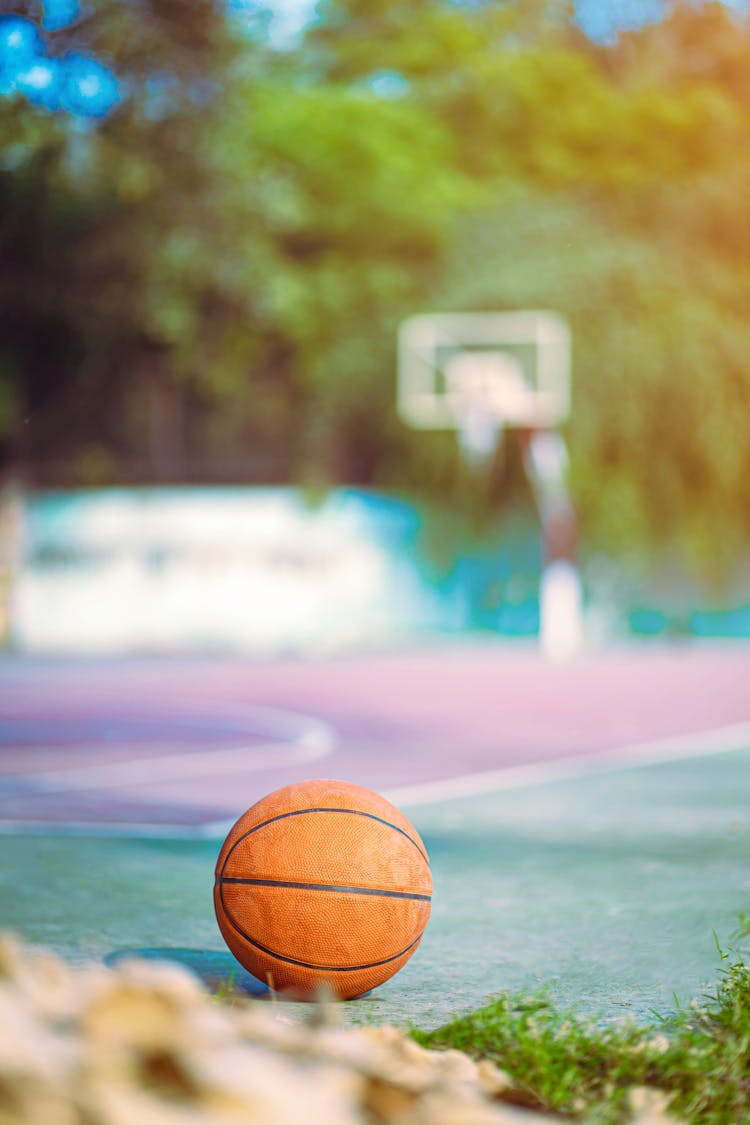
[146, 744]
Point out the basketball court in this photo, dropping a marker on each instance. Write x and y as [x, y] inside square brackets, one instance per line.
[586, 811]
[587, 822]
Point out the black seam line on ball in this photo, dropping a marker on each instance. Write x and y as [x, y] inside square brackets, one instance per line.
[304, 812]
[323, 887]
[311, 964]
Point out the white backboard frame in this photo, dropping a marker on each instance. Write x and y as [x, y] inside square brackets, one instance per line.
[424, 402]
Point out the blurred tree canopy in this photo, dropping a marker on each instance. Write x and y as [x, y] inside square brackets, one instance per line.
[206, 285]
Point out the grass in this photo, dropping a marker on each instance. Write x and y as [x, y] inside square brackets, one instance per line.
[225, 988]
[699, 1055]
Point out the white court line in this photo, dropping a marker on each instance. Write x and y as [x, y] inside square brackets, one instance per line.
[697, 744]
[299, 739]
[116, 830]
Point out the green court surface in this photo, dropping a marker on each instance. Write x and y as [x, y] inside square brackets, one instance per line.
[605, 888]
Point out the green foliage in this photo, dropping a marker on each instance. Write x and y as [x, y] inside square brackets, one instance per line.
[656, 435]
[699, 1056]
[334, 208]
[558, 1062]
[84, 212]
[208, 284]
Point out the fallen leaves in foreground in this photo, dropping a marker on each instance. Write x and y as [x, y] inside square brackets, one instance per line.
[146, 1043]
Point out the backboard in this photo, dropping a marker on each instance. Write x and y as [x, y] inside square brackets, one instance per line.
[513, 367]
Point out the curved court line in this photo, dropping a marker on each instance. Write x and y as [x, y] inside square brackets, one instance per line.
[298, 739]
[653, 752]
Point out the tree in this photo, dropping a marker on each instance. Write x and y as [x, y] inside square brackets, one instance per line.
[334, 209]
[85, 211]
[207, 285]
[212, 283]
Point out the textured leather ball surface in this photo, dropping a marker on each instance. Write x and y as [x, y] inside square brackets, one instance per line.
[323, 883]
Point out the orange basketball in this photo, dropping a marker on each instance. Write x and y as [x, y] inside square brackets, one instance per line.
[323, 883]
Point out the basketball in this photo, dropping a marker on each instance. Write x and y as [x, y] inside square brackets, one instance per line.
[322, 884]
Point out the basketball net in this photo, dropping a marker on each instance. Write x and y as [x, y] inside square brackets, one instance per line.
[489, 392]
[480, 434]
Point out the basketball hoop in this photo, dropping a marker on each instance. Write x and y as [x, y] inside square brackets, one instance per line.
[480, 373]
[517, 364]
